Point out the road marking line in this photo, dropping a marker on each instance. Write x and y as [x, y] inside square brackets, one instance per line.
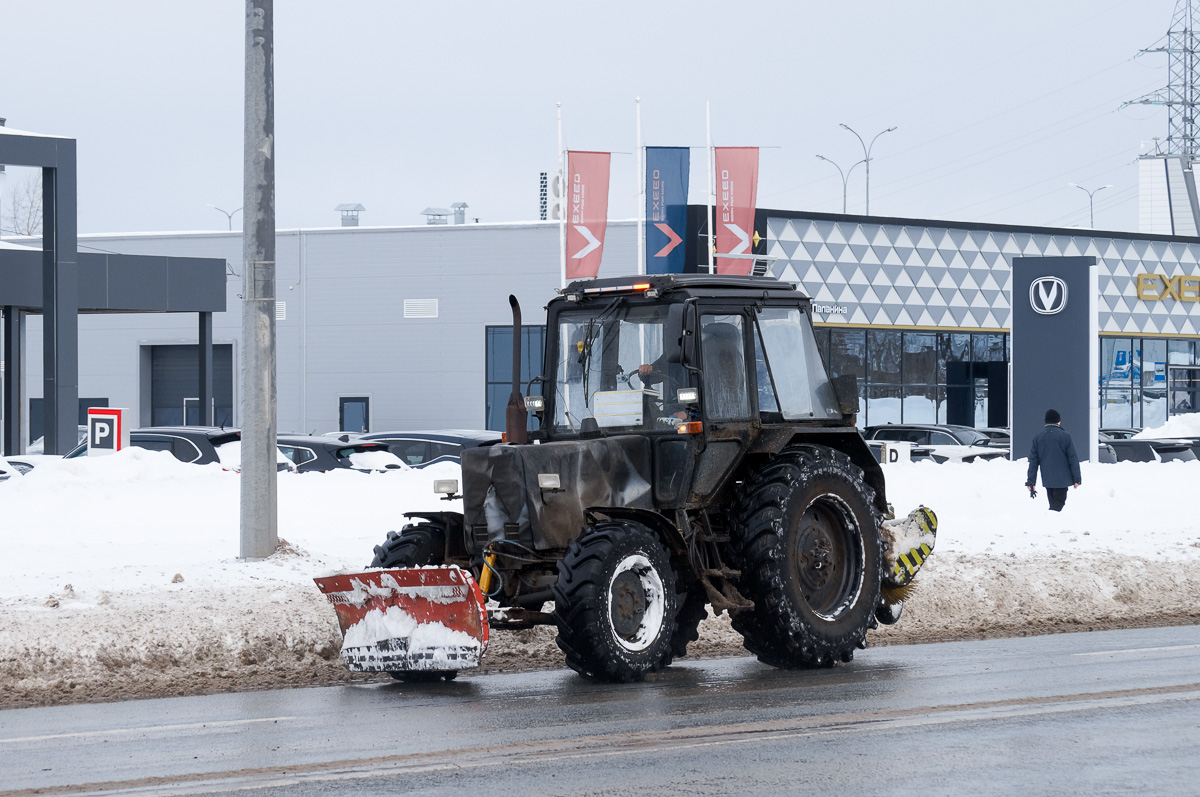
[144, 729]
[1136, 650]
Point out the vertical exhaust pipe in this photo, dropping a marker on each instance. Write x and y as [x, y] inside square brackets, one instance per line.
[516, 420]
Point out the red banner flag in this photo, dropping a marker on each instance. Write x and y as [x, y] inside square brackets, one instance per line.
[737, 193]
[587, 212]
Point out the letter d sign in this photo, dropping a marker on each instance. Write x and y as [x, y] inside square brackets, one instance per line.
[107, 432]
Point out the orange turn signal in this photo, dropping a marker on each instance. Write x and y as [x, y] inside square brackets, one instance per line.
[691, 427]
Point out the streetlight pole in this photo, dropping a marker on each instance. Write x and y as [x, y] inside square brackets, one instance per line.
[229, 214]
[845, 177]
[1091, 204]
[867, 157]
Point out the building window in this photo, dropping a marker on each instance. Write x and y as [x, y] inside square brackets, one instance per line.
[354, 413]
[498, 345]
[923, 377]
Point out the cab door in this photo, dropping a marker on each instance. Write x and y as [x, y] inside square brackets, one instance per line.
[726, 408]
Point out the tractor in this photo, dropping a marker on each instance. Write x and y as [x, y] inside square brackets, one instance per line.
[688, 451]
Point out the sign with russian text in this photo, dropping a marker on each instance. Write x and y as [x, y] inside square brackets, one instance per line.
[666, 208]
[737, 190]
[587, 212]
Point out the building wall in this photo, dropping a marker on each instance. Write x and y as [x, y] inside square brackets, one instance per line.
[341, 324]
[929, 275]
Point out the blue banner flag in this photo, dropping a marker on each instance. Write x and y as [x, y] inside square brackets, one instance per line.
[666, 208]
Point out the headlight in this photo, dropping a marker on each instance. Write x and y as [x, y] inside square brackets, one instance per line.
[688, 395]
[535, 403]
[446, 486]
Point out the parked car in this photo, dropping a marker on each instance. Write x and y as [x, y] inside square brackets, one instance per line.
[419, 449]
[938, 442]
[322, 453]
[199, 445]
[39, 445]
[1129, 448]
[10, 469]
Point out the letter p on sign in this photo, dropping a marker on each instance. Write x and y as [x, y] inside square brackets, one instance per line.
[107, 432]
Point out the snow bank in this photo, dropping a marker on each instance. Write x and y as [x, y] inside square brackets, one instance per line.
[1176, 426]
[119, 576]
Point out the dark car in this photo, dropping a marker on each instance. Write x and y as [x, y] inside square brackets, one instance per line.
[196, 444]
[1129, 448]
[309, 453]
[418, 449]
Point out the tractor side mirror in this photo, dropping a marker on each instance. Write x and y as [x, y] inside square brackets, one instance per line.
[686, 351]
[845, 387]
[673, 333]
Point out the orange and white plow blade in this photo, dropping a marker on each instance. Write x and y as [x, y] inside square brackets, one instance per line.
[423, 618]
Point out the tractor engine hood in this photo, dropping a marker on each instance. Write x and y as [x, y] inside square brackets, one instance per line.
[502, 498]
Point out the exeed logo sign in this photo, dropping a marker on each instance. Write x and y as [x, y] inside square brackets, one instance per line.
[1155, 287]
[1048, 295]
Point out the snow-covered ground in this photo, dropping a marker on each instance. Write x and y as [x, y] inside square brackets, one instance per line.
[119, 575]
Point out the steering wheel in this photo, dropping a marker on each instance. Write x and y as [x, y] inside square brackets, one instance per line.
[624, 378]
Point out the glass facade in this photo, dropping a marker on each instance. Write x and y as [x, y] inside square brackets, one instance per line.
[1143, 380]
[498, 347]
[922, 377]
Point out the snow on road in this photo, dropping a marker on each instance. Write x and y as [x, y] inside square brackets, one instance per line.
[119, 575]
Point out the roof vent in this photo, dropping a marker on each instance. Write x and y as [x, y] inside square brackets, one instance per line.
[436, 215]
[350, 211]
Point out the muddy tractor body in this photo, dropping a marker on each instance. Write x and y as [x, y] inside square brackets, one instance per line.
[690, 452]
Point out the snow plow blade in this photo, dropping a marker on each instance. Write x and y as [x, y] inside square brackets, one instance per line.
[409, 619]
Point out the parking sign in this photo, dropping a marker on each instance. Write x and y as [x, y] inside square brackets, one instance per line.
[107, 432]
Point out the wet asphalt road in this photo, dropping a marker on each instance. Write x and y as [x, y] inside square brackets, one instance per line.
[1114, 712]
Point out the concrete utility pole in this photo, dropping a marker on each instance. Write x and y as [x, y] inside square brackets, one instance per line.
[259, 502]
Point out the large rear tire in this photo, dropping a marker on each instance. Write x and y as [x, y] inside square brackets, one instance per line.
[615, 603]
[806, 533]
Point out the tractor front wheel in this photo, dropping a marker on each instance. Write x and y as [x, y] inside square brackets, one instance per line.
[615, 603]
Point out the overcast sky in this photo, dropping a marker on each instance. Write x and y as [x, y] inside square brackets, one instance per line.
[403, 105]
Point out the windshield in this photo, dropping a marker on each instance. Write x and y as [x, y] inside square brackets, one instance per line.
[611, 367]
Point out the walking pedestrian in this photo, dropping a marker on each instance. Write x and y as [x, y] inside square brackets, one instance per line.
[1054, 452]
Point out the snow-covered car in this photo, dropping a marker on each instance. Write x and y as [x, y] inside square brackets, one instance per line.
[420, 449]
[10, 469]
[322, 453]
[938, 442]
[199, 445]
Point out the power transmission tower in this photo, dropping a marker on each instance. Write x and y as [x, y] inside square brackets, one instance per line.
[1181, 45]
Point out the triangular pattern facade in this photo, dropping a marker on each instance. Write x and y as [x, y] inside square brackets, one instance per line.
[919, 276]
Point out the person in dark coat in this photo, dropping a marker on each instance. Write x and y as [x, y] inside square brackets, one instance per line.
[1054, 452]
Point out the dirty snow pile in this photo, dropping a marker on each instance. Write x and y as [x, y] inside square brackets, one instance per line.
[119, 575]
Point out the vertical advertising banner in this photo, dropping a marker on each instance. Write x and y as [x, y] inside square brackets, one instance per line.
[737, 193]
[666, 208]
[587, 212]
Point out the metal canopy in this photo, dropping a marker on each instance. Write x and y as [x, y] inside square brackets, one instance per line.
[60, 284]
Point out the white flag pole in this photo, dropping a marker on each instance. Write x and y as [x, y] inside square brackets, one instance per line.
[641, 178]
[562, 215]
[708, 151]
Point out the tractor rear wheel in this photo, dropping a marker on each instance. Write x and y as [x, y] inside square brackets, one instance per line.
[615, 603]
[414, 546]
[806, 534]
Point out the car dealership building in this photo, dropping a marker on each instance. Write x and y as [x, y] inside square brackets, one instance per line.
[409, 327]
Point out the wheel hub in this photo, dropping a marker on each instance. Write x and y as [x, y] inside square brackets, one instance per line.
[636, 603]
[823, 558]
[628, 604]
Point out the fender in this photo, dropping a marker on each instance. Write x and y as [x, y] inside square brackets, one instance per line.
[667, 531]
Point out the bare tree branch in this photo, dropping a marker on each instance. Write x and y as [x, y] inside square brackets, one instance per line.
[25, 207]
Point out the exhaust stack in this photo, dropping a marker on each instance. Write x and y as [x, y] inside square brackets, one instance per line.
[516, 421]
